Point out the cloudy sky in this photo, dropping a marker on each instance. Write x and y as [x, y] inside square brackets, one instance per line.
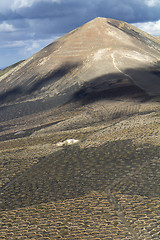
[26, 26]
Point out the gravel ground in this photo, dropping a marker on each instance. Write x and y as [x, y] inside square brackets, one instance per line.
[103, 186]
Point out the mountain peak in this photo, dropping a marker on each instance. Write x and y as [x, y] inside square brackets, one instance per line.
[79, 137]
[103, 54]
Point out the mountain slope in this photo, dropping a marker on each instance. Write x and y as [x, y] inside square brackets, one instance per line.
[89, 168]
[7, 69]
[114, 52]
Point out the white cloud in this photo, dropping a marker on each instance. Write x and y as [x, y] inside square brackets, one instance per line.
[28, 3]
[152, 28]
[4, 5]
[5, 27]
[152, 3]
[32, 47]
[14, 51]
[12, 44]
[29, 47]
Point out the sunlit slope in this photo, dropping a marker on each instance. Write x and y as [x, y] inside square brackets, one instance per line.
[100, 55]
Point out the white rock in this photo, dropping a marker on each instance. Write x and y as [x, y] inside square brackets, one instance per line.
[20, 132]
[67, 142]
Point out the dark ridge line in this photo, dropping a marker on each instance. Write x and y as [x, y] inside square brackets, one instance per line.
[26, 133]
[136, 34]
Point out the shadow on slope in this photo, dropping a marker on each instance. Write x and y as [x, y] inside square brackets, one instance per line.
[73, 172]
[142, 85]
[109, 86]
[22, 91]
[146, 79]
